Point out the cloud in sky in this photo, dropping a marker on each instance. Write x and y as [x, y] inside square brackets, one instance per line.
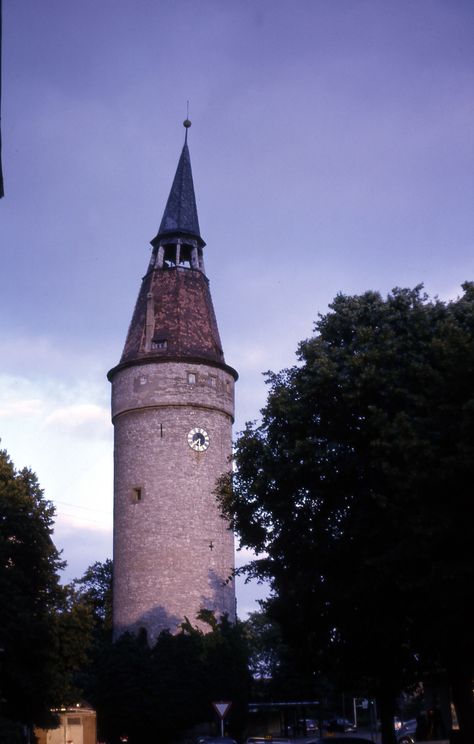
[85, 420]
[60, 428]
[20, 408]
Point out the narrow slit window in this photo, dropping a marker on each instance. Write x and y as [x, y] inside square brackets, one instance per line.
[192, 378]
[137, 494]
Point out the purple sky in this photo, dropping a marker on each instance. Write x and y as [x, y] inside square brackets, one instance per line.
[332, 151]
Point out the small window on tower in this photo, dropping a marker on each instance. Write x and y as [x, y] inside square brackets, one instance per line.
[213, 381]
[159, 343]
[192, 378]
[137, 494]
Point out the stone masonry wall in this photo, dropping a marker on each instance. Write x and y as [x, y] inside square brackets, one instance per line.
[173, 552]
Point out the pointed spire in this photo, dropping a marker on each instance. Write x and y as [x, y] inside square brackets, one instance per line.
[180, 216]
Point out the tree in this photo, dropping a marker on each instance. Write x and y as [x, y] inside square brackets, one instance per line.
[226, 672]
[90, 598]
[278, 673]
[94, 589]
[265, 648]
[167, 687]
[40, 640]
[170, 687]
[356, 487]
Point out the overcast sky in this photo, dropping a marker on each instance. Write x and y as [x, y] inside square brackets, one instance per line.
[332, 151]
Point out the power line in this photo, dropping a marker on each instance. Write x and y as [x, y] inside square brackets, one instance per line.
[83, 519]
[86, 508]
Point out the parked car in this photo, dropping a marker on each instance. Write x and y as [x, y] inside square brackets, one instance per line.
[341, 725]
[309, 725]
[406, 733]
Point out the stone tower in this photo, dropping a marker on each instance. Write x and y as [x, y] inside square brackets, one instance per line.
[172, 410]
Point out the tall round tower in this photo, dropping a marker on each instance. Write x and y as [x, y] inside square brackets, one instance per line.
[172, 410]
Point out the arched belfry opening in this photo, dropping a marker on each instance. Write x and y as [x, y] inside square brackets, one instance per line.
[181, 253]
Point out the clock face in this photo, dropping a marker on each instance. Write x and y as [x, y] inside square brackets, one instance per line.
[198, 439]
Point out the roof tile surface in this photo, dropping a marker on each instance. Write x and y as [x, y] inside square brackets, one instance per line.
[184, 318]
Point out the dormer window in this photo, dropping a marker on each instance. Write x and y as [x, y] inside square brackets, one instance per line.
[159, 344]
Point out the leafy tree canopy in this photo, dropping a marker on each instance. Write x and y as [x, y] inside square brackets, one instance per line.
[278, 672]
[42, 638]
[356, 486]
[94, 589]
[170, 687]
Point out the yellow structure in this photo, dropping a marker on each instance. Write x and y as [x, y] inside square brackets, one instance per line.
[77, 726]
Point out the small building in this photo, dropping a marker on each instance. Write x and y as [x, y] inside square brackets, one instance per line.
[76, 726]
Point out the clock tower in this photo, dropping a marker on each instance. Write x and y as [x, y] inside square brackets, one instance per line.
[172, 411]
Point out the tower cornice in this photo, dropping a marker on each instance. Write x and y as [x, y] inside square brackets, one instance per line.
[156, 359]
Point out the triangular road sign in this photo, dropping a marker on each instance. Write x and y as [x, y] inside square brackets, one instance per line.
[222, 708]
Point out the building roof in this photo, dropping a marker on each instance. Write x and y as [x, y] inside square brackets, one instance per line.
[184, 322]
[180, 216]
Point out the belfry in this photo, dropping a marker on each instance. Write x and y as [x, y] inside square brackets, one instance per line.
[172, 411]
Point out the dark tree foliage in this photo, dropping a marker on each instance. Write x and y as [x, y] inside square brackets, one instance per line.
[277, 671]
[266, 647]
[226, 672]
[41, 635]
[357, 486]
[161, 690]
[123, 696]
[94, 589]
[166, 689]
[91, 595]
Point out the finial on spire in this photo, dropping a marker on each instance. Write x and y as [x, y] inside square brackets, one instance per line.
[186, 123]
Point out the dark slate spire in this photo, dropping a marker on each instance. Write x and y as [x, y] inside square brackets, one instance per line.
[180, 216]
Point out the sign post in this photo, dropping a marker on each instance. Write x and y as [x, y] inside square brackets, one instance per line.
[222, 709]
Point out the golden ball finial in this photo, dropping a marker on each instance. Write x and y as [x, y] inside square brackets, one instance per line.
[186, 123]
